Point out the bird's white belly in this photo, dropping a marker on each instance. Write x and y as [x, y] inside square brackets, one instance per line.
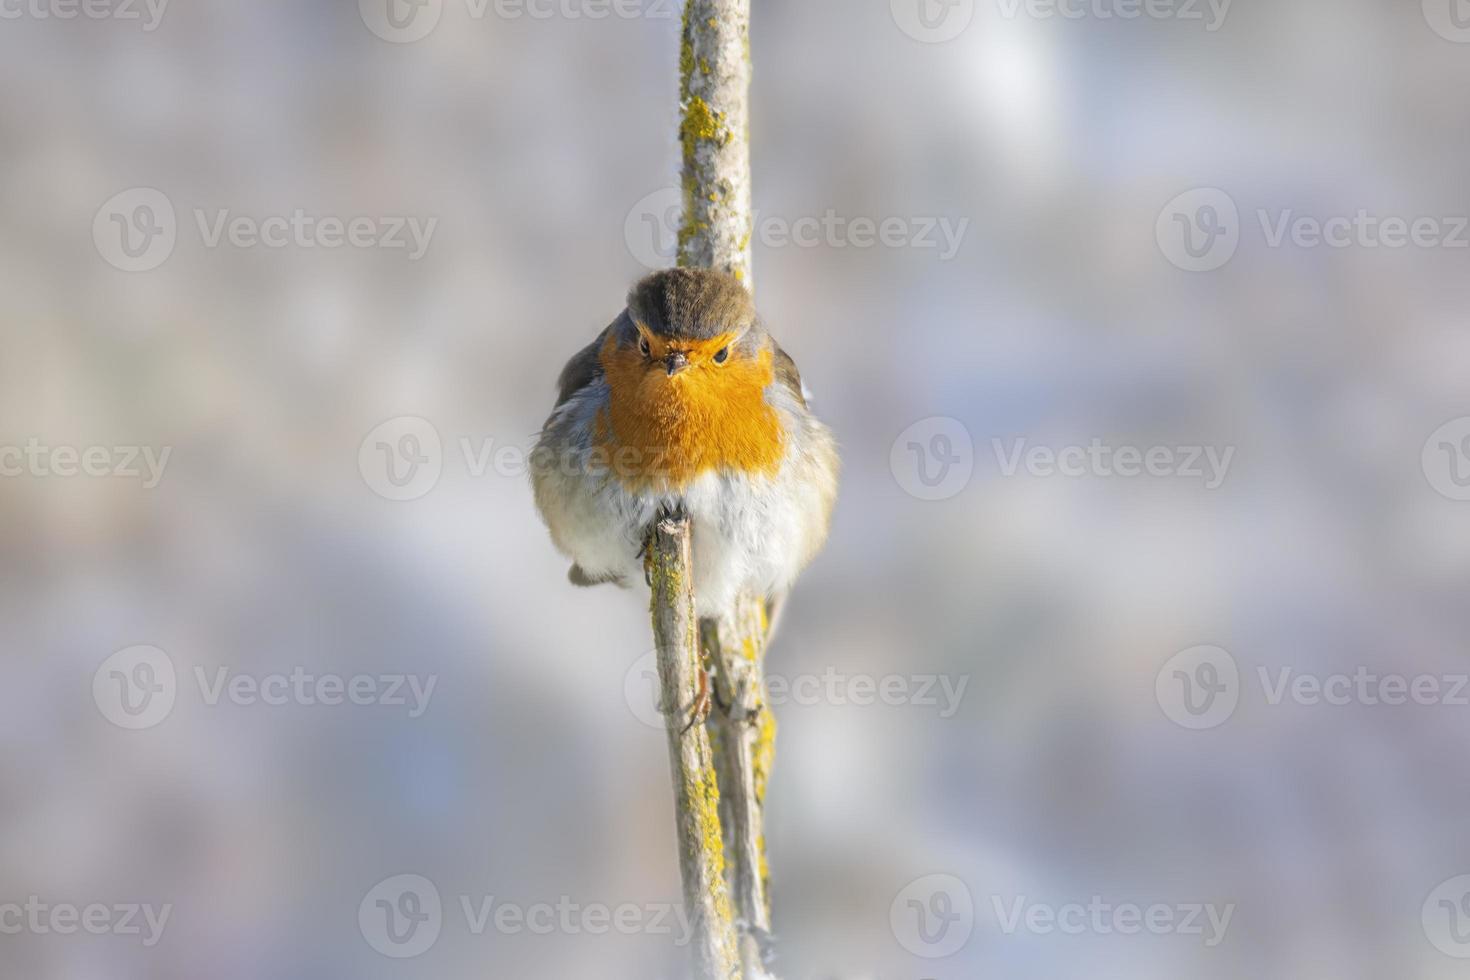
[744, 533]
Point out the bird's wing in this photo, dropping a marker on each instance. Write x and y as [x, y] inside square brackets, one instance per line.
[583, 368]
[787, 374]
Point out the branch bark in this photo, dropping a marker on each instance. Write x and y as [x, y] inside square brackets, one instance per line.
[714, 129]
[696, 792]
[743, 731]
[714, 95]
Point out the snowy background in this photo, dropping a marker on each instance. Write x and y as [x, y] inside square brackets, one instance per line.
[1067, 609]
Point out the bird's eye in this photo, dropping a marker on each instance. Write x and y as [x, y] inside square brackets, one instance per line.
[722, 355]
[643, 346]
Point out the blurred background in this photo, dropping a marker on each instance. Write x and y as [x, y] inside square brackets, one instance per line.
[282, 625]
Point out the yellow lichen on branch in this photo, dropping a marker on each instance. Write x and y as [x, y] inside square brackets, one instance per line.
[691, 759]
[714, 70]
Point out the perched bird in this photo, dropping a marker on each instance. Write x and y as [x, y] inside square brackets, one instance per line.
[685, 403]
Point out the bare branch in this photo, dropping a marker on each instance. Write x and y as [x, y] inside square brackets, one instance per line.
[714, 95]
[744, 733]
[696, 793]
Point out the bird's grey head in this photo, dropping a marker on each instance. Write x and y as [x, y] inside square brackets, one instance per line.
[692, 304]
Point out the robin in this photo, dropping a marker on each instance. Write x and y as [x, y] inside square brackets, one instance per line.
[686, 404]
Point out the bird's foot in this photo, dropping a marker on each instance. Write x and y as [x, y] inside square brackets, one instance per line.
[646, 553]
[645, 550]
[699, 712]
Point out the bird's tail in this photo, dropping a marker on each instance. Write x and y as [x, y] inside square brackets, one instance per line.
[775, 605]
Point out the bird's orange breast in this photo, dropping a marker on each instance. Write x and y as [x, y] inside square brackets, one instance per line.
[660, 432]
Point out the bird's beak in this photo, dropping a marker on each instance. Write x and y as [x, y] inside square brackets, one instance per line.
[675, 362]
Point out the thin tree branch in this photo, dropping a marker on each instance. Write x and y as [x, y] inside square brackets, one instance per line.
[714, 97]
[744, 732]
[696, 792]
[714, 130]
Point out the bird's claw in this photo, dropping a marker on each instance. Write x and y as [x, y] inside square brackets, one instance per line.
[646, 553]
[645, 550]
[699, 711]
